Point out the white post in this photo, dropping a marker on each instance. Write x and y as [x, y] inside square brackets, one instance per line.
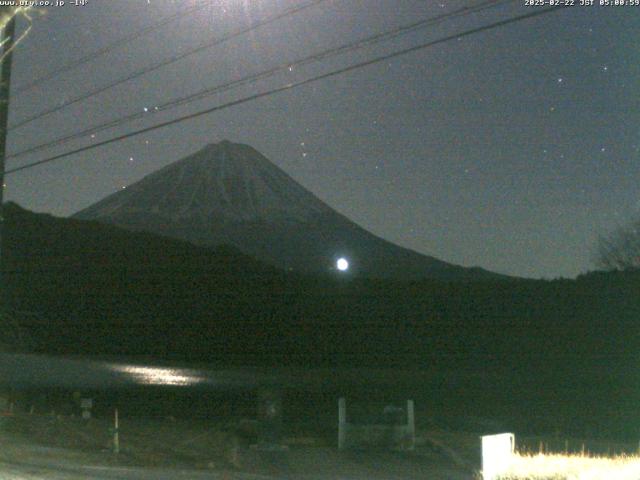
[116, 434]
[497, 454]
[342, 422]
[411, 423]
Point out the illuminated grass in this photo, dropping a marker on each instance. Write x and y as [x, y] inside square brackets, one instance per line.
[572, 467]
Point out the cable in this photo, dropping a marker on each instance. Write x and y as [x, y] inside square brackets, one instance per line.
[166, 62]
[368, 41]
[291, 86]
[108, 48]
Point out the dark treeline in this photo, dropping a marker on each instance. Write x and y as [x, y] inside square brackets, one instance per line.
[96, 289]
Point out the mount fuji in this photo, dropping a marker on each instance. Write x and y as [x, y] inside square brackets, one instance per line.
[229, 193]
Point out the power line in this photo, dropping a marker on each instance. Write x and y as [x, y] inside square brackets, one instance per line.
[109, 48]
[166, 62]
[290, 86]
[366, 42]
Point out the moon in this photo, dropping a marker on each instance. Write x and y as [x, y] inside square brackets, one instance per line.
[342, 264]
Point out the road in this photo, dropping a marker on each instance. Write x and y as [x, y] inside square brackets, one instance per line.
[75, 472]
[326, 471]
[22, 461]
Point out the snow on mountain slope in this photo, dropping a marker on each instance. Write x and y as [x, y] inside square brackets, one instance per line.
[223, 181]
[229, 193]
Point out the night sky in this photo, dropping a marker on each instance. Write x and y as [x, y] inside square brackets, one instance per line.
[511, 149]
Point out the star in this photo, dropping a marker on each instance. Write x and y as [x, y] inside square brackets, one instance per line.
[560, 80]
[602, 149]
[605, 68]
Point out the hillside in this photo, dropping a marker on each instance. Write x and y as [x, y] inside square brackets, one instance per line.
[87, 274]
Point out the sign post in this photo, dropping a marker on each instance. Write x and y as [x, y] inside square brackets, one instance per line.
[497, 454]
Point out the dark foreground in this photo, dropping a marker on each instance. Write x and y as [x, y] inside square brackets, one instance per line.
[23, 459]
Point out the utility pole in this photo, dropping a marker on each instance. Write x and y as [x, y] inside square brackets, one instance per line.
[8, 35]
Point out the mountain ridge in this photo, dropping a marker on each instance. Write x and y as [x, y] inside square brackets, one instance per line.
[229, 193]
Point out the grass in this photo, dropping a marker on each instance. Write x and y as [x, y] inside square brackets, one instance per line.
[572, 467]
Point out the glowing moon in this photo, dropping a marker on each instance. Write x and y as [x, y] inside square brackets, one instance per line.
[342, 264]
